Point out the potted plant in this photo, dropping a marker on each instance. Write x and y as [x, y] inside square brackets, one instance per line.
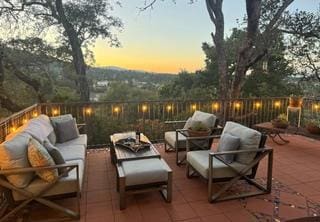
[198, 129]
[280, 122]
[313, 126]
[295, 101]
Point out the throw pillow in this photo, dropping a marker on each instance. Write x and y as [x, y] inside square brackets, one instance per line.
[228, 143]
[14, 154]
[52, 137]
[66, 130]
[39, 157]
[57, 119]
[55, 154]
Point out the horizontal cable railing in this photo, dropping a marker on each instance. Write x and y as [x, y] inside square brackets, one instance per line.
[105, 118]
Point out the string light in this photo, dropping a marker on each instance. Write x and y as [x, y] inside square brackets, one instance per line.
[144, 108]
[35, 114]
[237, 105]
[169, 108]
[277, 104]
[258, 105]
[316, 107]
[13, 129]
[88, 111]
[116, 109]
[194, 107]
[215, 106]
[24, 121]
[55, 112]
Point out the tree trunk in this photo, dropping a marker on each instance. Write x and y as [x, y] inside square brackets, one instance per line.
[214, 8]
[77, 54]
[247, 50]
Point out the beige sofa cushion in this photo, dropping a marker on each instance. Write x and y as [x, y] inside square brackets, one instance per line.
[13, 154]
[144, 171]
[199, 160]
[249, 140]
[39, 157]
[39, 128]
[72, 152]
[81, 140]
[64, 186]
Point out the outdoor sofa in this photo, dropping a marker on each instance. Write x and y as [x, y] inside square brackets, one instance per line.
[23, 182]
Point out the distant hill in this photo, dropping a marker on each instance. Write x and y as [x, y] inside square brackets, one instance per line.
[113, 73]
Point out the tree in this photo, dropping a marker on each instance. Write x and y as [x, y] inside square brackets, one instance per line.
[79, 23]
[303, 30]
[262, 22]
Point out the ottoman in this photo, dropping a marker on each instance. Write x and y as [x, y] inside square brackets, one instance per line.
[144, 175]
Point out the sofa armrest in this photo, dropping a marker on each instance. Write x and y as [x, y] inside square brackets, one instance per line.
[35, 169]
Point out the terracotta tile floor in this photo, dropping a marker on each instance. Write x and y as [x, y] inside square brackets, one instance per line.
[296, 192]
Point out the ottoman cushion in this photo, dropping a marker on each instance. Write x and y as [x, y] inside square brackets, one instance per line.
[145, 171]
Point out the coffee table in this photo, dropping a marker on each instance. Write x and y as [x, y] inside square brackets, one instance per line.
[119, 153]
[141, 171]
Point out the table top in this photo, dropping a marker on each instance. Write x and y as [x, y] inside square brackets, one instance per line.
[267, 126]
[124, 154]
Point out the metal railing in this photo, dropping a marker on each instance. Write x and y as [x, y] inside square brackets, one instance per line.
[105, 118]
[12, 123]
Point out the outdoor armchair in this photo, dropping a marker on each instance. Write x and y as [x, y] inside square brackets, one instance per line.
[177, 140]
[215, 167]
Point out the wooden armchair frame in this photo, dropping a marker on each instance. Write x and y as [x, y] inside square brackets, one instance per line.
[261, 153]
[39, 196]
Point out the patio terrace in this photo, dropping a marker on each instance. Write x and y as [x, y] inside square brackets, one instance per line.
[296, 183]
[295, 193]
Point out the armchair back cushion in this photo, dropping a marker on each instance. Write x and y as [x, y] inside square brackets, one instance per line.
[249, 140]
[188, 123]
[207, 119]
[13, 154]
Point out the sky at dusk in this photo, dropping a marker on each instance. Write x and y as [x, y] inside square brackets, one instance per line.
[168, 38]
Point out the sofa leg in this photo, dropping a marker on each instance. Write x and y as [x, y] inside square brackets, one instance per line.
[169, 187]
[122, 192]
[188, 170]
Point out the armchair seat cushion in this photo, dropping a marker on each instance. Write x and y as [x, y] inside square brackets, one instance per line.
[64, 186]
[170, 138]
[199, 160]
[145, 171]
